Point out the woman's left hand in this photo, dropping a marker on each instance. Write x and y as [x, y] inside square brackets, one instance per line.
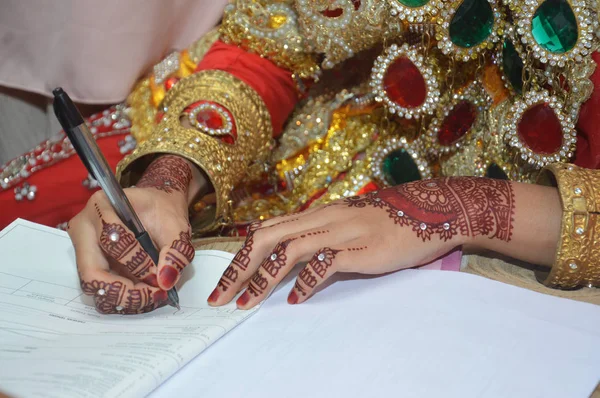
[384, 231]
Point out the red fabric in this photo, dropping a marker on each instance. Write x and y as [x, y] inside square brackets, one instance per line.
[275, 85]
[588, 126]
[60, 191]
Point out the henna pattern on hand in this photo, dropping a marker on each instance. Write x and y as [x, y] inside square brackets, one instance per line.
[92, 287]
[357, 249]
[182, 251]
[109, 296]
[228, 278]
[307, 278]
[314, 233]
[241, 259]
[184, 246]
[168, 174]
[322, 260]
[98, 212]
[319, 264]
[447, 207]
[258, 284]
[116, 241]
[277, 259]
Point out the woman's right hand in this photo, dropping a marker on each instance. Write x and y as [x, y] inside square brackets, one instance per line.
[112, 265]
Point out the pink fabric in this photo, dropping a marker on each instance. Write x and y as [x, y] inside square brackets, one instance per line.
[96, 50]
[450, 262]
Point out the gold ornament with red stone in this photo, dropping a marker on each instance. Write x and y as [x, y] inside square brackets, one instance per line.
[406, 81]
[458, 116]
[539, 130]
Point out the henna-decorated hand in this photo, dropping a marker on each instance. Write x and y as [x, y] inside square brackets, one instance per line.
[112, 265]
[396, 228]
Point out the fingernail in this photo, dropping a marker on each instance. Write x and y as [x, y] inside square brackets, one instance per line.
[243, 300]
[167, 276]
[213, 296]
[151, 280]
[292, 298]
[161, 297]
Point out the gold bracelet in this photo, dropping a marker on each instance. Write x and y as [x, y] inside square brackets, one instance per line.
[578, 254]
[225, 164]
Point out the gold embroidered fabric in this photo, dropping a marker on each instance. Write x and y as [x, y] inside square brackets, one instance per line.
[269, 29]
[578, 254]
[341, 29]
[224, 164]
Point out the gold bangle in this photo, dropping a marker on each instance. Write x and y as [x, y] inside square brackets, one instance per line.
[578, 254]
[224, 164]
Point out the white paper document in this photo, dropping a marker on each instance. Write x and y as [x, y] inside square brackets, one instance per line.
[53, 343]
[410, 334]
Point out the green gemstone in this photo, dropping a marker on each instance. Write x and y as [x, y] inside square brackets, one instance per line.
[472, 23]
[512, 64]
[413, 3]
[399, 168]
[496, 172]
[554, 26]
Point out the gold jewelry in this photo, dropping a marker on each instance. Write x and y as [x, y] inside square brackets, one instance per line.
[415, 11]
[397, 66]
[577, 261]
[466, 28]
[396, 161]
[269, 29]
[339, 29]
[522, 125]
[457, 117]
[224, 164]
[509, 59]
[557, 32]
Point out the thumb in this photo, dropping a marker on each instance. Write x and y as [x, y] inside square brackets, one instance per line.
[173, 258]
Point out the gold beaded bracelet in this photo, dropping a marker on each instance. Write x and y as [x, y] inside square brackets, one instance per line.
[577, 261]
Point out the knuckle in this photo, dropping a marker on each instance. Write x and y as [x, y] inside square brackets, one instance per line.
[98, 197]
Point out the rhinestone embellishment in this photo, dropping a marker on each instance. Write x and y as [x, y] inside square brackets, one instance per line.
[119, 308]
[101, 292]
[114, 236]
[273, 257]
[578, 191]
[400, 213]
[27, 191]
[579, 231]
[573, 266]
[321, 257]
[446, 226]
[423, 226]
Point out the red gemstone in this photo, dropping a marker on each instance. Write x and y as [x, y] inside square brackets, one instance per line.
[210, 119]
[404, 84]
[337, 12]
[170, 82]
[457, 123]
[540, 129]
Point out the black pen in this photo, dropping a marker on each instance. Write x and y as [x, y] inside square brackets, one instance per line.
[85, 145]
